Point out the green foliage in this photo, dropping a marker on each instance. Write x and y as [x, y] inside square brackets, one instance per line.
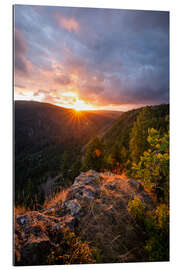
[162, 217]
[138, 137]
[71, 250]
[153, 171]
[157, 226]
[158, 248]
[153, 167]
[117, 157]
[130, 132]
[137, 209]
[94, 156]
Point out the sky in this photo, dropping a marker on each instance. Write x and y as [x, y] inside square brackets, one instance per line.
[87, 58]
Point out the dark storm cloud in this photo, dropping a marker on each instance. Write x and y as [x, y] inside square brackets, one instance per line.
[119, 56]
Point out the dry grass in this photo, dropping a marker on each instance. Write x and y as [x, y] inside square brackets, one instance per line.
[108, 224]
[59, 197]
[20, 210]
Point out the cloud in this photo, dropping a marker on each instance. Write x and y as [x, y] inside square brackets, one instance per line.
[63, 80]
[20, 51]
[107, 56]
[70, 24]
[40, 91]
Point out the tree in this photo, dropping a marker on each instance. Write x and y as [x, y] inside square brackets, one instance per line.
[153, 172]
[138, 136]
[94, 156]
[117, 158]
[65, 164]
[75, 169]
[153, 167]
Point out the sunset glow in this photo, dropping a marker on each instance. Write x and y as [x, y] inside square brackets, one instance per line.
[75, 102]
[75, 58]
[80, 105]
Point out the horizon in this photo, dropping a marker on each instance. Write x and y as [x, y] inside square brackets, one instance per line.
[105, 109]
[120, 65]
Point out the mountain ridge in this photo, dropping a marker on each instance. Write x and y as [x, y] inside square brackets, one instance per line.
[49, 136]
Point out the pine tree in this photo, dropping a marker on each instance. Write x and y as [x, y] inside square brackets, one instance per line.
[138, 136]
[94, 156]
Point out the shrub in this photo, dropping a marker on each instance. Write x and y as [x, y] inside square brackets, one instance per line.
[162, 216]
[153, 167]
[157, 227]
[157, 247]
[137, 209]
[94, 156]
[71, 250]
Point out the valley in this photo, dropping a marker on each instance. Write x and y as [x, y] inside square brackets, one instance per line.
[91, 190]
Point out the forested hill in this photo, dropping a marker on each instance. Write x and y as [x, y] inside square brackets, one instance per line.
[48, 141]
[120, 131]
[126, 140]
[40, 124]
[118, 137]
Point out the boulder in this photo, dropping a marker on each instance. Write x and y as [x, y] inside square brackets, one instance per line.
[73, 207]
[24, 220]
[88, 199]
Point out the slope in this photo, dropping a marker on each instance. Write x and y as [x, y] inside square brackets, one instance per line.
[48, 140]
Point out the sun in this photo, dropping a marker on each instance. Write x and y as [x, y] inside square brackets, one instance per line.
[71, 100]
[76, 103]
[77, 109]
[80, 105]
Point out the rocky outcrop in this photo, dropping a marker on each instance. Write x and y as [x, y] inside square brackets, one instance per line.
[95, 208]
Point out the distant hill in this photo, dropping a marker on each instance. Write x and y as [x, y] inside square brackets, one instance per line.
[48, 136]
[38, 124]
[50, 141]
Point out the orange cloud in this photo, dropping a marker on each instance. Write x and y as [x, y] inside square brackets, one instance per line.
[70, 24]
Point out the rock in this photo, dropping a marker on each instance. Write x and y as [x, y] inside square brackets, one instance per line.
[73, 206]
[67, 221]
[38, 231]
[88, 194]
[111, 186]
[89, 177]
[48, 211]
[136, 184]
[35, 251]
[70, 221]
[34, 230]
[47, 220]
[24, 220]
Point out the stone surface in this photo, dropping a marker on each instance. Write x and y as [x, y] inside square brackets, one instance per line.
[97, 197]
[73, 206]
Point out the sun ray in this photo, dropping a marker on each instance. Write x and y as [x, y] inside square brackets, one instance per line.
[72, 101]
